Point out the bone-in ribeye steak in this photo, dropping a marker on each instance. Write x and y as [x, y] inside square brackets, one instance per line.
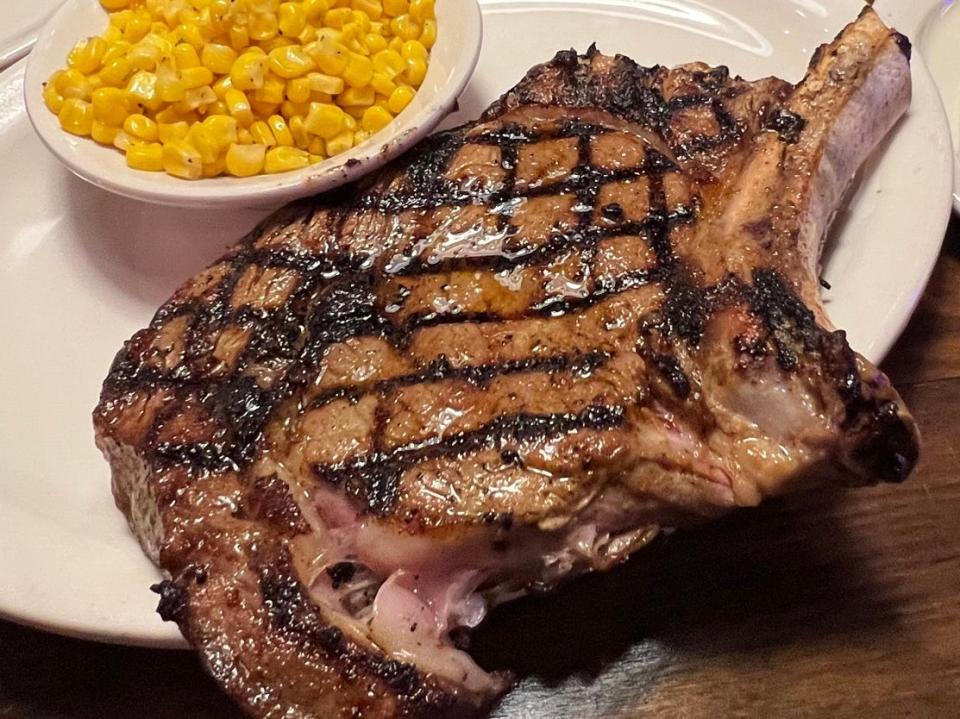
[511, 357]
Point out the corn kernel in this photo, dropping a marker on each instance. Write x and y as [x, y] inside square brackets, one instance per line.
[316, 8]
[142, 90]
[339, 143]
[143, 57]
[239, 38]
[136, 28]
[412, 49]
[245, 160]
[308, 35]
[248, 72]
[116, 51]
[191, 35]
[298, 130]
[72, 84]
[281, 132]
[331, 57]
[140, 127]
[291, 19]
[113, 5]
[264, 109]
[290, 61]
[76, 116]
[389, 63]
[223, 129]
[261, 134]
[269, 46]
[290, 109]
[317, 146]
[357, 97]
[169, 115]
[52, 98]
[116, 72]
[103, 133]
[181, 159]
[194, 77]
[203, 140]
[325, 83]
[109, 105]
[422, 10]
[400, 98]
[395, 7]
[120, 18]
[382, 84]
[273, 90]
[375, 118]
[283, 159]
[112, 34]
[325, 120]
[374, 42]
[186, 56]
[263, 26]
[122, 141]
[239, 107]
[362, 21]
[199, 97]
[146, 156]
[338, 17]
[429, 35]
[415, 72]
[373, 9]
[216, 108]
[298, 89]
[359, 70]
[215, 168]
[218, 58]
[405, 28]
[169, 131]
[87, 55]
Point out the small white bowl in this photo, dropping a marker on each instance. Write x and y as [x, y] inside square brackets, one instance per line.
[452, 61]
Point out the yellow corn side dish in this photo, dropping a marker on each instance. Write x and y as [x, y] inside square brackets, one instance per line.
[201, 88]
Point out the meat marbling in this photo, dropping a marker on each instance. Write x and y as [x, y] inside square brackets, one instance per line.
[513, 356]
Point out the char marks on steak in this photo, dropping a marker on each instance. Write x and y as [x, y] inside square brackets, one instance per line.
[513, 356]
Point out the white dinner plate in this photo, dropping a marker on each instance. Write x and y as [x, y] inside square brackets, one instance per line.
[81, 270]
[21, 22]
[940, 44]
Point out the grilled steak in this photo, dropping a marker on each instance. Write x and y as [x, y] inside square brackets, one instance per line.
[513, 356]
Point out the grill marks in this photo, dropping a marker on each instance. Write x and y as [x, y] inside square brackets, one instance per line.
[704, 124]
[498, 266]
[278, 310]
[440, 370]
[374, 478]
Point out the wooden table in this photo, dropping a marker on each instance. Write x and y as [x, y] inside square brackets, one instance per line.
[844, 605]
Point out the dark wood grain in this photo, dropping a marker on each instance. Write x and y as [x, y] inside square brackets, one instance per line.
[825, 605]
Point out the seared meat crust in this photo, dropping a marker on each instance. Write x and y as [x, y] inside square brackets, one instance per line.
[512, 356]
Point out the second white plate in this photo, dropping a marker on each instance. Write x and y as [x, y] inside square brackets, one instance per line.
[21, 23]
[938, 42]
[80, 270]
